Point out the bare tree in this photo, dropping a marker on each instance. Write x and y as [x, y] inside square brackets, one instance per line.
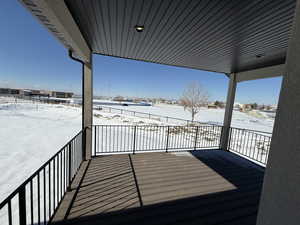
[193, 98]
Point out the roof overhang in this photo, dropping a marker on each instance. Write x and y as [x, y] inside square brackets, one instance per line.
[56, 17]
[214, 35]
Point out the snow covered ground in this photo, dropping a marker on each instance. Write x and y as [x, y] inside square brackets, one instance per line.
[31, 133]
[253, 120]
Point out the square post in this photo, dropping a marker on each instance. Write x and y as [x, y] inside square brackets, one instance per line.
[280, 199]
[228, 112]
[87, 109]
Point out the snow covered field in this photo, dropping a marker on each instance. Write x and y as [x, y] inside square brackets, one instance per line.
[31, 133]
[255, 120]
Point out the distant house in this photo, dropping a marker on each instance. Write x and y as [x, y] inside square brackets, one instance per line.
[4, 91]
[247, 107]
[212, 106]
[118, 98]
[32, 92]
[14, 91]
[25, 92]
[45, 93]
[238, 106]
[243, 107]
[61, 94]
[35, 92]
[9, 91]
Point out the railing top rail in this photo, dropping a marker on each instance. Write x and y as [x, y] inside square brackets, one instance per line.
[6, 200]
[122, 125]
[256, 131]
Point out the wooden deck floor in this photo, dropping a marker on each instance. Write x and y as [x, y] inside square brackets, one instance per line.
[207, 187]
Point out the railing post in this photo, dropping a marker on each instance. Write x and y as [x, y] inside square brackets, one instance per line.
[228, 111]
[167, 144]
[221, 136]
[70, 166]
[149, 116]
[196, 138]
[134, 137]
[22, 206]
[229, 139]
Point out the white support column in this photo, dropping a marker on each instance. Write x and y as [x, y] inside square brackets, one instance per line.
[228, 111]
[280, 199]
[87, 108]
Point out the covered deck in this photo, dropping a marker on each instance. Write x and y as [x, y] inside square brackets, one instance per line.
[246, 40]
[197, 187]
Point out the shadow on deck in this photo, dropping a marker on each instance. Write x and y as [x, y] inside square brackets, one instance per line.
[204, 187]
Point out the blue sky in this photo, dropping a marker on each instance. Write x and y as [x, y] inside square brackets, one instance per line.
[30, 57]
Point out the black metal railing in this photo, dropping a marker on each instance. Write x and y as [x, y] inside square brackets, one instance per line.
[252, 144]
[132, 139]
[36, 200]
[166, 119]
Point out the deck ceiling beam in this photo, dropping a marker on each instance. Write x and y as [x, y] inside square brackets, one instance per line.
[56, 17]
[266, 72]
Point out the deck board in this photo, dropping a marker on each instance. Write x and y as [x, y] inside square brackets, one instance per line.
[206, 187]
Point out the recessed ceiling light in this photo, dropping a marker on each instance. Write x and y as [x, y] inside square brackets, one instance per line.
[139, 28]
[259, 55]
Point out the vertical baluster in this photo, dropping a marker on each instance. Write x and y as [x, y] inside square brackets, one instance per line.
[54, 186]
[31, 202]
[9, 214]
[61, 176]
[57, 183]
[69, 165]
[134, 137]
[22, 205]
[49, 185]
[253, 150]
[248, 134]
[167, 142]
[196, 138]
[39, 198]
[64, 170]
[44, 193]
[113, 137]
[119, 137]
[268, 150]
[95, 139]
